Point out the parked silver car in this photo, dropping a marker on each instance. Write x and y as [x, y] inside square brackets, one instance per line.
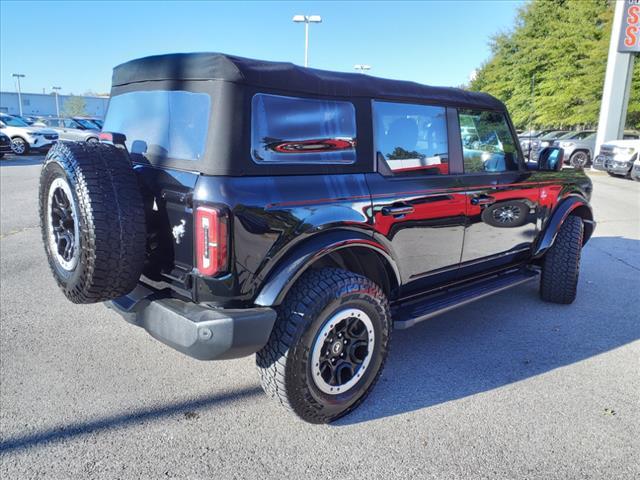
[72, 129]
[544, 141]
[578, 147]
[528, 138]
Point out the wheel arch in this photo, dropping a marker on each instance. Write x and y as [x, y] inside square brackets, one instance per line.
[583, 150]
[572, 205]
[353, 251]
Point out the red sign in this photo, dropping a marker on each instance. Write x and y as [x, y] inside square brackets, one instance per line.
[630, 28]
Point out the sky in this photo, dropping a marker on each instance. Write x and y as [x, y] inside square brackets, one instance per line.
[76, 44]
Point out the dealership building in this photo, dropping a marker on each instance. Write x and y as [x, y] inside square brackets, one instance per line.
[44, 105]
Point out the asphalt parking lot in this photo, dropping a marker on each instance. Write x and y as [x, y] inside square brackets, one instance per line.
[507, 387]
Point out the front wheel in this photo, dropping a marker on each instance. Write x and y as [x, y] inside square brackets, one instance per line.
[328, 345]
[561, 265]
[19, 146]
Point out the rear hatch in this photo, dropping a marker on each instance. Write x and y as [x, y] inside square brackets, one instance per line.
[165, 132]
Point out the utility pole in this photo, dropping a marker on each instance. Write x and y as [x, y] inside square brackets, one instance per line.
[56, 90]
[307, 19]
[19, 76]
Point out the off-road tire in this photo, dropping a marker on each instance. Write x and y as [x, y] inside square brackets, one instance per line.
[284, 364]
[112, 228]
[561, 264]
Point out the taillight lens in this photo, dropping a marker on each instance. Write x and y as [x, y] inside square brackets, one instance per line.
[211, 241]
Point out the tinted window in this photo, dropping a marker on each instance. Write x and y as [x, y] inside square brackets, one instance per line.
[487, 142]
[302, 130]
[411, 138]
[68, 123]
[161, 123]
[583, 135]
[52, 123]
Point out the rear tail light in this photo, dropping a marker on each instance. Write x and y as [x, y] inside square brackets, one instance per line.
[211, 241]
[117, 139]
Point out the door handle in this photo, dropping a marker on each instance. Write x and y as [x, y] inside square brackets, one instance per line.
[403, 209]
[483, 200]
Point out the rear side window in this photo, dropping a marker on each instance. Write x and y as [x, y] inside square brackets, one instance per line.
[302, 130]
[412, 139]
[487, 142]
[161, 123]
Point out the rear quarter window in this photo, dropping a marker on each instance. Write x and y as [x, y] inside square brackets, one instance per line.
[161, 123]
[294, 130]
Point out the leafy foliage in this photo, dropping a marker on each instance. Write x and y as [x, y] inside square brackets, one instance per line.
[74, 106]
[561, 45]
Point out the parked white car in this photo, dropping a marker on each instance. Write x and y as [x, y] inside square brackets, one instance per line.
[616, 157]
[25, 138]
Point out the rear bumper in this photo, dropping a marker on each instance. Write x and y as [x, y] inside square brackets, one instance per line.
[199, 332]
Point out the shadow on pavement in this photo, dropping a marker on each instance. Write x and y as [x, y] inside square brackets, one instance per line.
[488, 344]
[14, 161]
[123, 420]
[509, 337]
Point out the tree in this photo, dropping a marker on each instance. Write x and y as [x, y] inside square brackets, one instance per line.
[564, 44]
[74, 106]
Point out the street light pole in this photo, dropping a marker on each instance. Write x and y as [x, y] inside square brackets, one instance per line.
[57, 89]
[19, 76]
[306, 44]
[307, 19]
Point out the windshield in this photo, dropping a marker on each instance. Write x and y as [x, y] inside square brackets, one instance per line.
[553, 135]
[86, 123]
[577, 135]
[13, 121]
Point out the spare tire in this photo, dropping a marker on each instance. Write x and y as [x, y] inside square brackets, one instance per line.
[506, 214]
[92, 220]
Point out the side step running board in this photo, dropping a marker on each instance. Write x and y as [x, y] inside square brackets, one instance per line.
[409, 313]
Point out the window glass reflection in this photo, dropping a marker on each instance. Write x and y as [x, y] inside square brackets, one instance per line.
[412, 139]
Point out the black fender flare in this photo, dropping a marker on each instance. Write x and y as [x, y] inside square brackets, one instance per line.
[573, 204]
[282, 277]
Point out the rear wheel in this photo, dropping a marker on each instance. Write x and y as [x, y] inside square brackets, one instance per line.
[92, 221]
[328, 346]
[561, 265]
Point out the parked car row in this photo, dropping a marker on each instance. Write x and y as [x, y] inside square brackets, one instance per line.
[579, 146]
[39, 134]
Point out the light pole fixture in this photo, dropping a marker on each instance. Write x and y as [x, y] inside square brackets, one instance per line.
[307, 19]
[56, 90]
[19, 76]
[362, 67]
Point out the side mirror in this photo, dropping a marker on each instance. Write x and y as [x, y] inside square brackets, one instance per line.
[2, 125]
[550, 159]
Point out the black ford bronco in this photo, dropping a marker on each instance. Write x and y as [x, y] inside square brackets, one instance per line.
[236, 206]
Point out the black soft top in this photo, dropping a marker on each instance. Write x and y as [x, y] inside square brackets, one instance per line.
[286, 76]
